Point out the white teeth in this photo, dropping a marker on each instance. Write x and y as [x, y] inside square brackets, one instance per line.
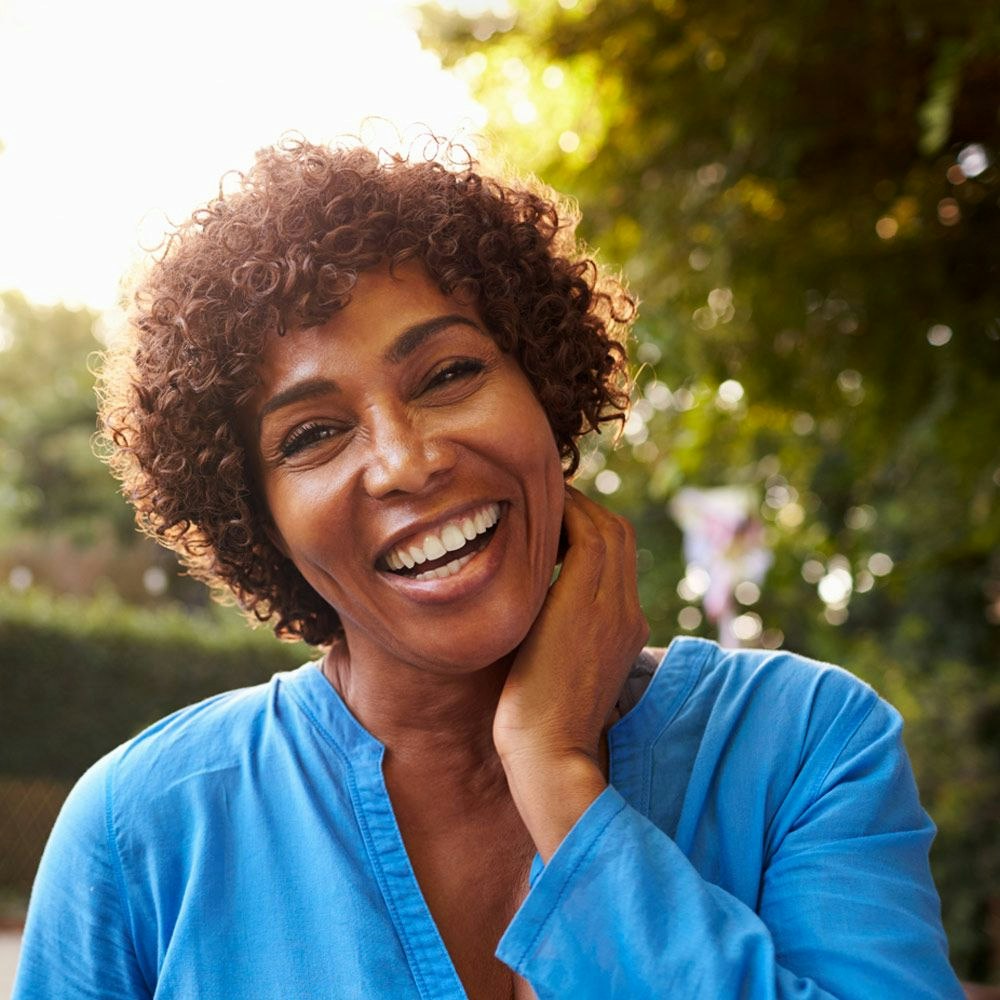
[434, 547]
[448, 569]
[450, 538]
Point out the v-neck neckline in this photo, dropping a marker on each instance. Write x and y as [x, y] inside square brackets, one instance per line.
[362, 756]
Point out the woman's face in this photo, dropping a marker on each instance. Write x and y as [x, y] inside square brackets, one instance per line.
[411, 474]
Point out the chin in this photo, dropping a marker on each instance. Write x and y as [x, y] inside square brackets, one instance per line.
[473, 645]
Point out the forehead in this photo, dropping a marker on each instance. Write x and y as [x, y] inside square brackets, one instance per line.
[384, 306]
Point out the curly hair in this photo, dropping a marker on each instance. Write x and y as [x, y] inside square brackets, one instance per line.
[281, 250]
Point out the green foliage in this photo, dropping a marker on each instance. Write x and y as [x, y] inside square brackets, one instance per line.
[820, 321]
[47, 417]
[80, 677]
[61, 515]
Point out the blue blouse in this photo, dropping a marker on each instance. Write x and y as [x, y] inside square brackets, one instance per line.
[761, 837]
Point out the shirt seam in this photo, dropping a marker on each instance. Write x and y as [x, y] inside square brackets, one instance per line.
[693, 674]
[116, 866]
[820, 782]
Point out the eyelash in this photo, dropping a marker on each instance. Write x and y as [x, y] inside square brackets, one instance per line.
[455, 370]
[312, 433]
[306, 435]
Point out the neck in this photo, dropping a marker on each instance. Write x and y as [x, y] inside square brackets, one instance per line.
[436, 725]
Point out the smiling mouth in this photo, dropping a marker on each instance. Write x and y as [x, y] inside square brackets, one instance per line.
[444, 552]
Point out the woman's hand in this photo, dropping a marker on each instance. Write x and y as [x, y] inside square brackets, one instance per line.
[568, 673]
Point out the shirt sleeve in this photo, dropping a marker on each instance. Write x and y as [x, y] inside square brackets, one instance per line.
[77, 942]
[847, 906]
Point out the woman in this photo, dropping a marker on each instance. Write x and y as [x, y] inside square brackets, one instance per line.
[353, 396]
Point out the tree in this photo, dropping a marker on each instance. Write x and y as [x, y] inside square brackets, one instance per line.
[805, 197]
[61, 516]
[47, 417]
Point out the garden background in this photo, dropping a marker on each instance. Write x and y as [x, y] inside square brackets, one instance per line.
[806, 199]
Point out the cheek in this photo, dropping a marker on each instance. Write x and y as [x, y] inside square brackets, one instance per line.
[305, 518]
[548, 474]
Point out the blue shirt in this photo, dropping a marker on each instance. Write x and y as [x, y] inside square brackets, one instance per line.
[761, 837]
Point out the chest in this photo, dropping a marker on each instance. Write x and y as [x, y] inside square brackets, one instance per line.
[473, 877]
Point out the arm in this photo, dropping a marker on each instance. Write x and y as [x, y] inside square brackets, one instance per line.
[847, 908]
[77, 941]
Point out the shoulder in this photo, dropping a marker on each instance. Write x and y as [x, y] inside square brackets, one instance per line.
[767, 732]
[204, 732]
[775, 678]
[779, 674]
[194, 751]
[772, 703]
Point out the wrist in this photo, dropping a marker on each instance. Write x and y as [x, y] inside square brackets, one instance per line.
[551, 791]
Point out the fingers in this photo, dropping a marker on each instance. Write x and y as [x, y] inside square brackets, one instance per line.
[601, 545]
[599, 567]
[570, 667]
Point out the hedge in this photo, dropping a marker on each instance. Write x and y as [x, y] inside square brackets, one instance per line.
[79, 677]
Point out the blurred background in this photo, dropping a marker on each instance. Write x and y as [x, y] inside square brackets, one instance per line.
[806, 199]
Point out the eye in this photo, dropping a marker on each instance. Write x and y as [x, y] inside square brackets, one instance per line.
[305, 436]
[455, 371]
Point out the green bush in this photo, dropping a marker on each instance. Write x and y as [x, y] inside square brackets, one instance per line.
[78, 678]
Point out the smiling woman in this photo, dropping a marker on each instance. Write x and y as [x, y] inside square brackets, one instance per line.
[385, 435]
[352, 396]
[285, 253]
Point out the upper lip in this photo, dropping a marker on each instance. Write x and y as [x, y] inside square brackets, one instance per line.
[414, 531]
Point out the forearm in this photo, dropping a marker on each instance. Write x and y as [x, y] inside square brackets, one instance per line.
[551, 793]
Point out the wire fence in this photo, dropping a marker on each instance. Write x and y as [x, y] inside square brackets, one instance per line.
[28, 809]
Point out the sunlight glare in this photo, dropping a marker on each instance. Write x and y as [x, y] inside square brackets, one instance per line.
[128, 114]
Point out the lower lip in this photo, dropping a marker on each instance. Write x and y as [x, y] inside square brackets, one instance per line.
[471, 578]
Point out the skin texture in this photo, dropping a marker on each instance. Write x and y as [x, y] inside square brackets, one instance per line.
[491, 689]
[398, 446]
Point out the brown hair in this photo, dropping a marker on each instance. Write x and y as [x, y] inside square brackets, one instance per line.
[281, 251]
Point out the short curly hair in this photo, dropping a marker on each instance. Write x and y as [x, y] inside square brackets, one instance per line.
[281, 250]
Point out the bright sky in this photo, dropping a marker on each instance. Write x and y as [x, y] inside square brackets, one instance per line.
[115, 114]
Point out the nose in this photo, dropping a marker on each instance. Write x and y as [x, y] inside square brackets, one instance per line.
[404, 455]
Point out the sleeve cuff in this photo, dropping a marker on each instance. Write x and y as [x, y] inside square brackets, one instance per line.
[519, 940]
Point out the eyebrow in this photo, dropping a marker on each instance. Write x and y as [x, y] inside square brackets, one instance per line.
[413, 336]
[398, 351]
[309, 389]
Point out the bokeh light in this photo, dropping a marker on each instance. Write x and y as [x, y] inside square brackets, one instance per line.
[880, 564]
[747, 627]
[939, 335]
[607, 482]
[689, 618]
[973, 160]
